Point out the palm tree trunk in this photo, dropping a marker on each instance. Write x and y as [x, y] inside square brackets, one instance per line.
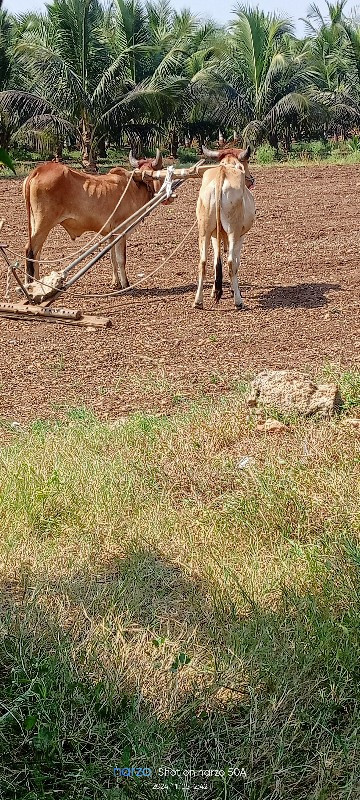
[102, 147]
[173, 143]
[5, 136]
[59, 150]
[274, 141]
[287, 139]
[88, 158]
[135, 145]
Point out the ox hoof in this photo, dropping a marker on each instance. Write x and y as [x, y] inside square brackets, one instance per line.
[198, 305]
[240, 307]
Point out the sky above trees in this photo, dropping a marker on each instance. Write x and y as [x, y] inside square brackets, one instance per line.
[218, 11]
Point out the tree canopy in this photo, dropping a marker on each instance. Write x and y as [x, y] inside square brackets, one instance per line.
[89, 73]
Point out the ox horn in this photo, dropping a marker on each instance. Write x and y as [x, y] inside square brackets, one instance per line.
[133, 161]
[210, 153]
[245, 155]
[157, 161]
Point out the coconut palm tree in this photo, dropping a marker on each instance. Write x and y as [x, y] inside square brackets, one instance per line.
[334, 56]
[197, 111]
[157, 53]
[315, 21]
[7, 69]
[172, 47]
[83, 77]
[265, 77]
[200, 113]
[5, 44]
[144, 73]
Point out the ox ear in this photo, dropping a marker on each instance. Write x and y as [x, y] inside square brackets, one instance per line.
[157, 161]
[133, 161]
[211, 153]
[244, 155]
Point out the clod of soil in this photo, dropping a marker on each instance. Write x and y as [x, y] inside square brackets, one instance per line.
[289, 391]
[272, 426]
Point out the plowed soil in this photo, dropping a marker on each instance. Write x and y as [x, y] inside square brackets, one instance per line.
[300, 277]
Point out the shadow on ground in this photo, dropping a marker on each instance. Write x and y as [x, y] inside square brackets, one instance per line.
[177, 290]
[302, 295]
[271, 691]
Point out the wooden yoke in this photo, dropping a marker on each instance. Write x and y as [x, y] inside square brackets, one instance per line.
[196, 171]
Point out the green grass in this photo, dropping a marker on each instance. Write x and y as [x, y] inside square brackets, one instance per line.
[313, 152]
[301, 154]
[163, 606]
[335, 159]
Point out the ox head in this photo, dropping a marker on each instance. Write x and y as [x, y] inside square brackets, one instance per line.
[150, 165]
[233, 156]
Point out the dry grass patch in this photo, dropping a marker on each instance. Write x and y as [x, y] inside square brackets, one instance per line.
[177, 585]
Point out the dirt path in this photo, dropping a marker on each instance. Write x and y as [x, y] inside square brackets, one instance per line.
[300, 276]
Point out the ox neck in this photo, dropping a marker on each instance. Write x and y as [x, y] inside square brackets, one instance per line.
[249, 182]
[148, 185]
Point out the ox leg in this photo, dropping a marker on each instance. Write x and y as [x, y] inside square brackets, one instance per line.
[121, 259]
[115, 278]
[32, 253]
[204, 240]
[233, 260]
[215, 247]
[118, 259]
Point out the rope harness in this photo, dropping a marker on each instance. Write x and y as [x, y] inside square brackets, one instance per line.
[145, 277]
[164, 193]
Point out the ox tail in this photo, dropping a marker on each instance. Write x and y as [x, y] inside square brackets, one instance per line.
[29, 253]
[218, 266]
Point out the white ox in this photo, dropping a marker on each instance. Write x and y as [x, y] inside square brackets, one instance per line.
[225, 213]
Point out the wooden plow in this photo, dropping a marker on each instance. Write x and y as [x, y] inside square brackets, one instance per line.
[39, 295]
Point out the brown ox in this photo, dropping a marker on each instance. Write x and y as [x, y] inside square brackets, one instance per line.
[225, 212]
[79, 202]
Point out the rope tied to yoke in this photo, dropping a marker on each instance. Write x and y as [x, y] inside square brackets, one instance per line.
[134, 285]
[167, 190]
[84, 247]
[168, 180]
[144, 278]
[97, 234]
